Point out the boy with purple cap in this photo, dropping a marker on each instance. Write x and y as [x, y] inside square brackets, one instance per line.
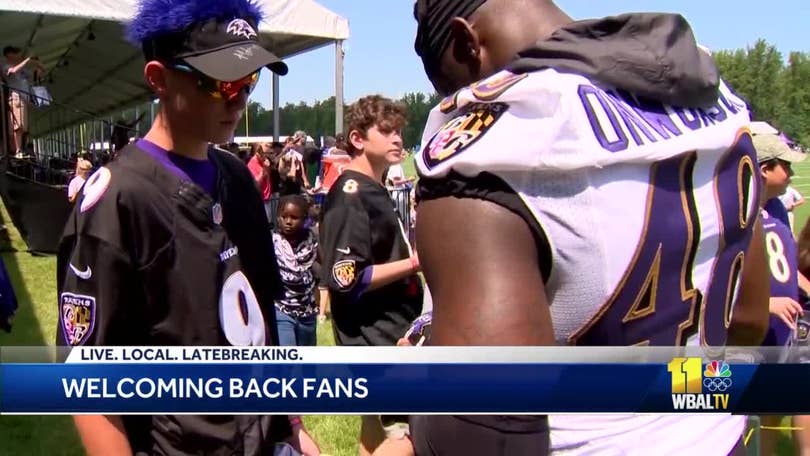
[169, 244]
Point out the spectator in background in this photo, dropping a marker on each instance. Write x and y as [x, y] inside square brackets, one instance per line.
[323, 288]
[400, 187]
[395, 177]
[276, 151]
[300, 140]
[83, 168]
[18, 76]
[121, 132]
[328, 143]
[791, 199]
[369, 266]
[291, 170]
[296, 252]
[312, 163]
[259, 166]
[334, 162]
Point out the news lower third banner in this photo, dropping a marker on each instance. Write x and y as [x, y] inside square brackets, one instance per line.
[397, 380]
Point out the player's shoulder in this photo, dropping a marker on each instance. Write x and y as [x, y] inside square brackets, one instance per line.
[497, 113]
[507, 87]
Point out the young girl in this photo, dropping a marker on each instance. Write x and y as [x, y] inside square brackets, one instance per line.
[296, 252]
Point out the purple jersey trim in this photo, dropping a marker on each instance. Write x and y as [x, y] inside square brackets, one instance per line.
[201, 172]
[363, 283]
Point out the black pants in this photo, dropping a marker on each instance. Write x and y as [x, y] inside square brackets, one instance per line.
[484, 435]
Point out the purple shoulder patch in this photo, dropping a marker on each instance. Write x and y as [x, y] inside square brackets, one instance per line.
[77, 315]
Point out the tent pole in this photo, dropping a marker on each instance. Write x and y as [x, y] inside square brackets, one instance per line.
[276, 112]
[339, 54]
[6, 151]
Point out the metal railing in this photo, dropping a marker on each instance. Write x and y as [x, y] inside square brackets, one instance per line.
[49, 156]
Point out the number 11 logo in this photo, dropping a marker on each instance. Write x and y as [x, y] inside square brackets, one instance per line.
[687, 375]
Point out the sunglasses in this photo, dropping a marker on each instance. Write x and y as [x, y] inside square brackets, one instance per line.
[220, 90]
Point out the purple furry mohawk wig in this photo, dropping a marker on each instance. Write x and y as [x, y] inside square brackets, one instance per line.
[157, 17]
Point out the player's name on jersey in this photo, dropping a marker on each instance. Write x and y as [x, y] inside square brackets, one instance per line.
[182, 354]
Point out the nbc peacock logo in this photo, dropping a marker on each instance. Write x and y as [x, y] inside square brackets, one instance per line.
[717, 377]
[696, 388]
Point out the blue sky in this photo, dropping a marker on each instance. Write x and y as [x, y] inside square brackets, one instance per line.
[380, 56]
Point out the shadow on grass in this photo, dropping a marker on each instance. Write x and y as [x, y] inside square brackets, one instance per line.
[34, 281]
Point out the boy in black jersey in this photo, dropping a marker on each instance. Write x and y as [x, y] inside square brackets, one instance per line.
[367, 263]
[169, 243]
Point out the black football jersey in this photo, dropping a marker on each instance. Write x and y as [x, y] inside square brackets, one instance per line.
[360, 228]
[150, 259]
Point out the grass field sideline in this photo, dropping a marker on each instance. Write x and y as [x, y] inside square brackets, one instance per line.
[34, 284]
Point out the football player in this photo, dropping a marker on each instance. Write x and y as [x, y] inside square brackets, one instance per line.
[169, 244]
[775, 159]
[368, 264]
[586, 183]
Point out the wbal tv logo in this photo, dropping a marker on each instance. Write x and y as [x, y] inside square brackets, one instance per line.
[696, 389]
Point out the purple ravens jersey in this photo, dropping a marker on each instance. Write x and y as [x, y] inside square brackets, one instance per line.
[783, 267]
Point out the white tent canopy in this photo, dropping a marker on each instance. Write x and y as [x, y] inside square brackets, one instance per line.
[92, 69]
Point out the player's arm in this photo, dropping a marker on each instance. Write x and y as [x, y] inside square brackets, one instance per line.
[750, 319]
[102, 435]
[484, 274]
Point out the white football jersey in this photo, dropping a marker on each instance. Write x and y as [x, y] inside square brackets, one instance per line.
[647, 209]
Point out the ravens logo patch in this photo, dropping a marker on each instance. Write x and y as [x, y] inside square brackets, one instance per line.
[344, 272]
[77, 315]
[462, 132]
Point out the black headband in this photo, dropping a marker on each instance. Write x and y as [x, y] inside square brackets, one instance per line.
[433, 33]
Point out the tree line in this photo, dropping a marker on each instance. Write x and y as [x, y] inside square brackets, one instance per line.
[318, 119]
[776, 89]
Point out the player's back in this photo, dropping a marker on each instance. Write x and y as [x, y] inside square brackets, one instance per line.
[647, 208]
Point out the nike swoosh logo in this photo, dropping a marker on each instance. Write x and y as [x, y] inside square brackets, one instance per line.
[344, 251]
[86, 274]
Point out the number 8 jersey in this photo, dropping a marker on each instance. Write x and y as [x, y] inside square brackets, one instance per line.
[783, 264]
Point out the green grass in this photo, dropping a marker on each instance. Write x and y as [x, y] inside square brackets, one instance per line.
[801, 182]
[409, 166]
[336, 434]
[35, 324]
